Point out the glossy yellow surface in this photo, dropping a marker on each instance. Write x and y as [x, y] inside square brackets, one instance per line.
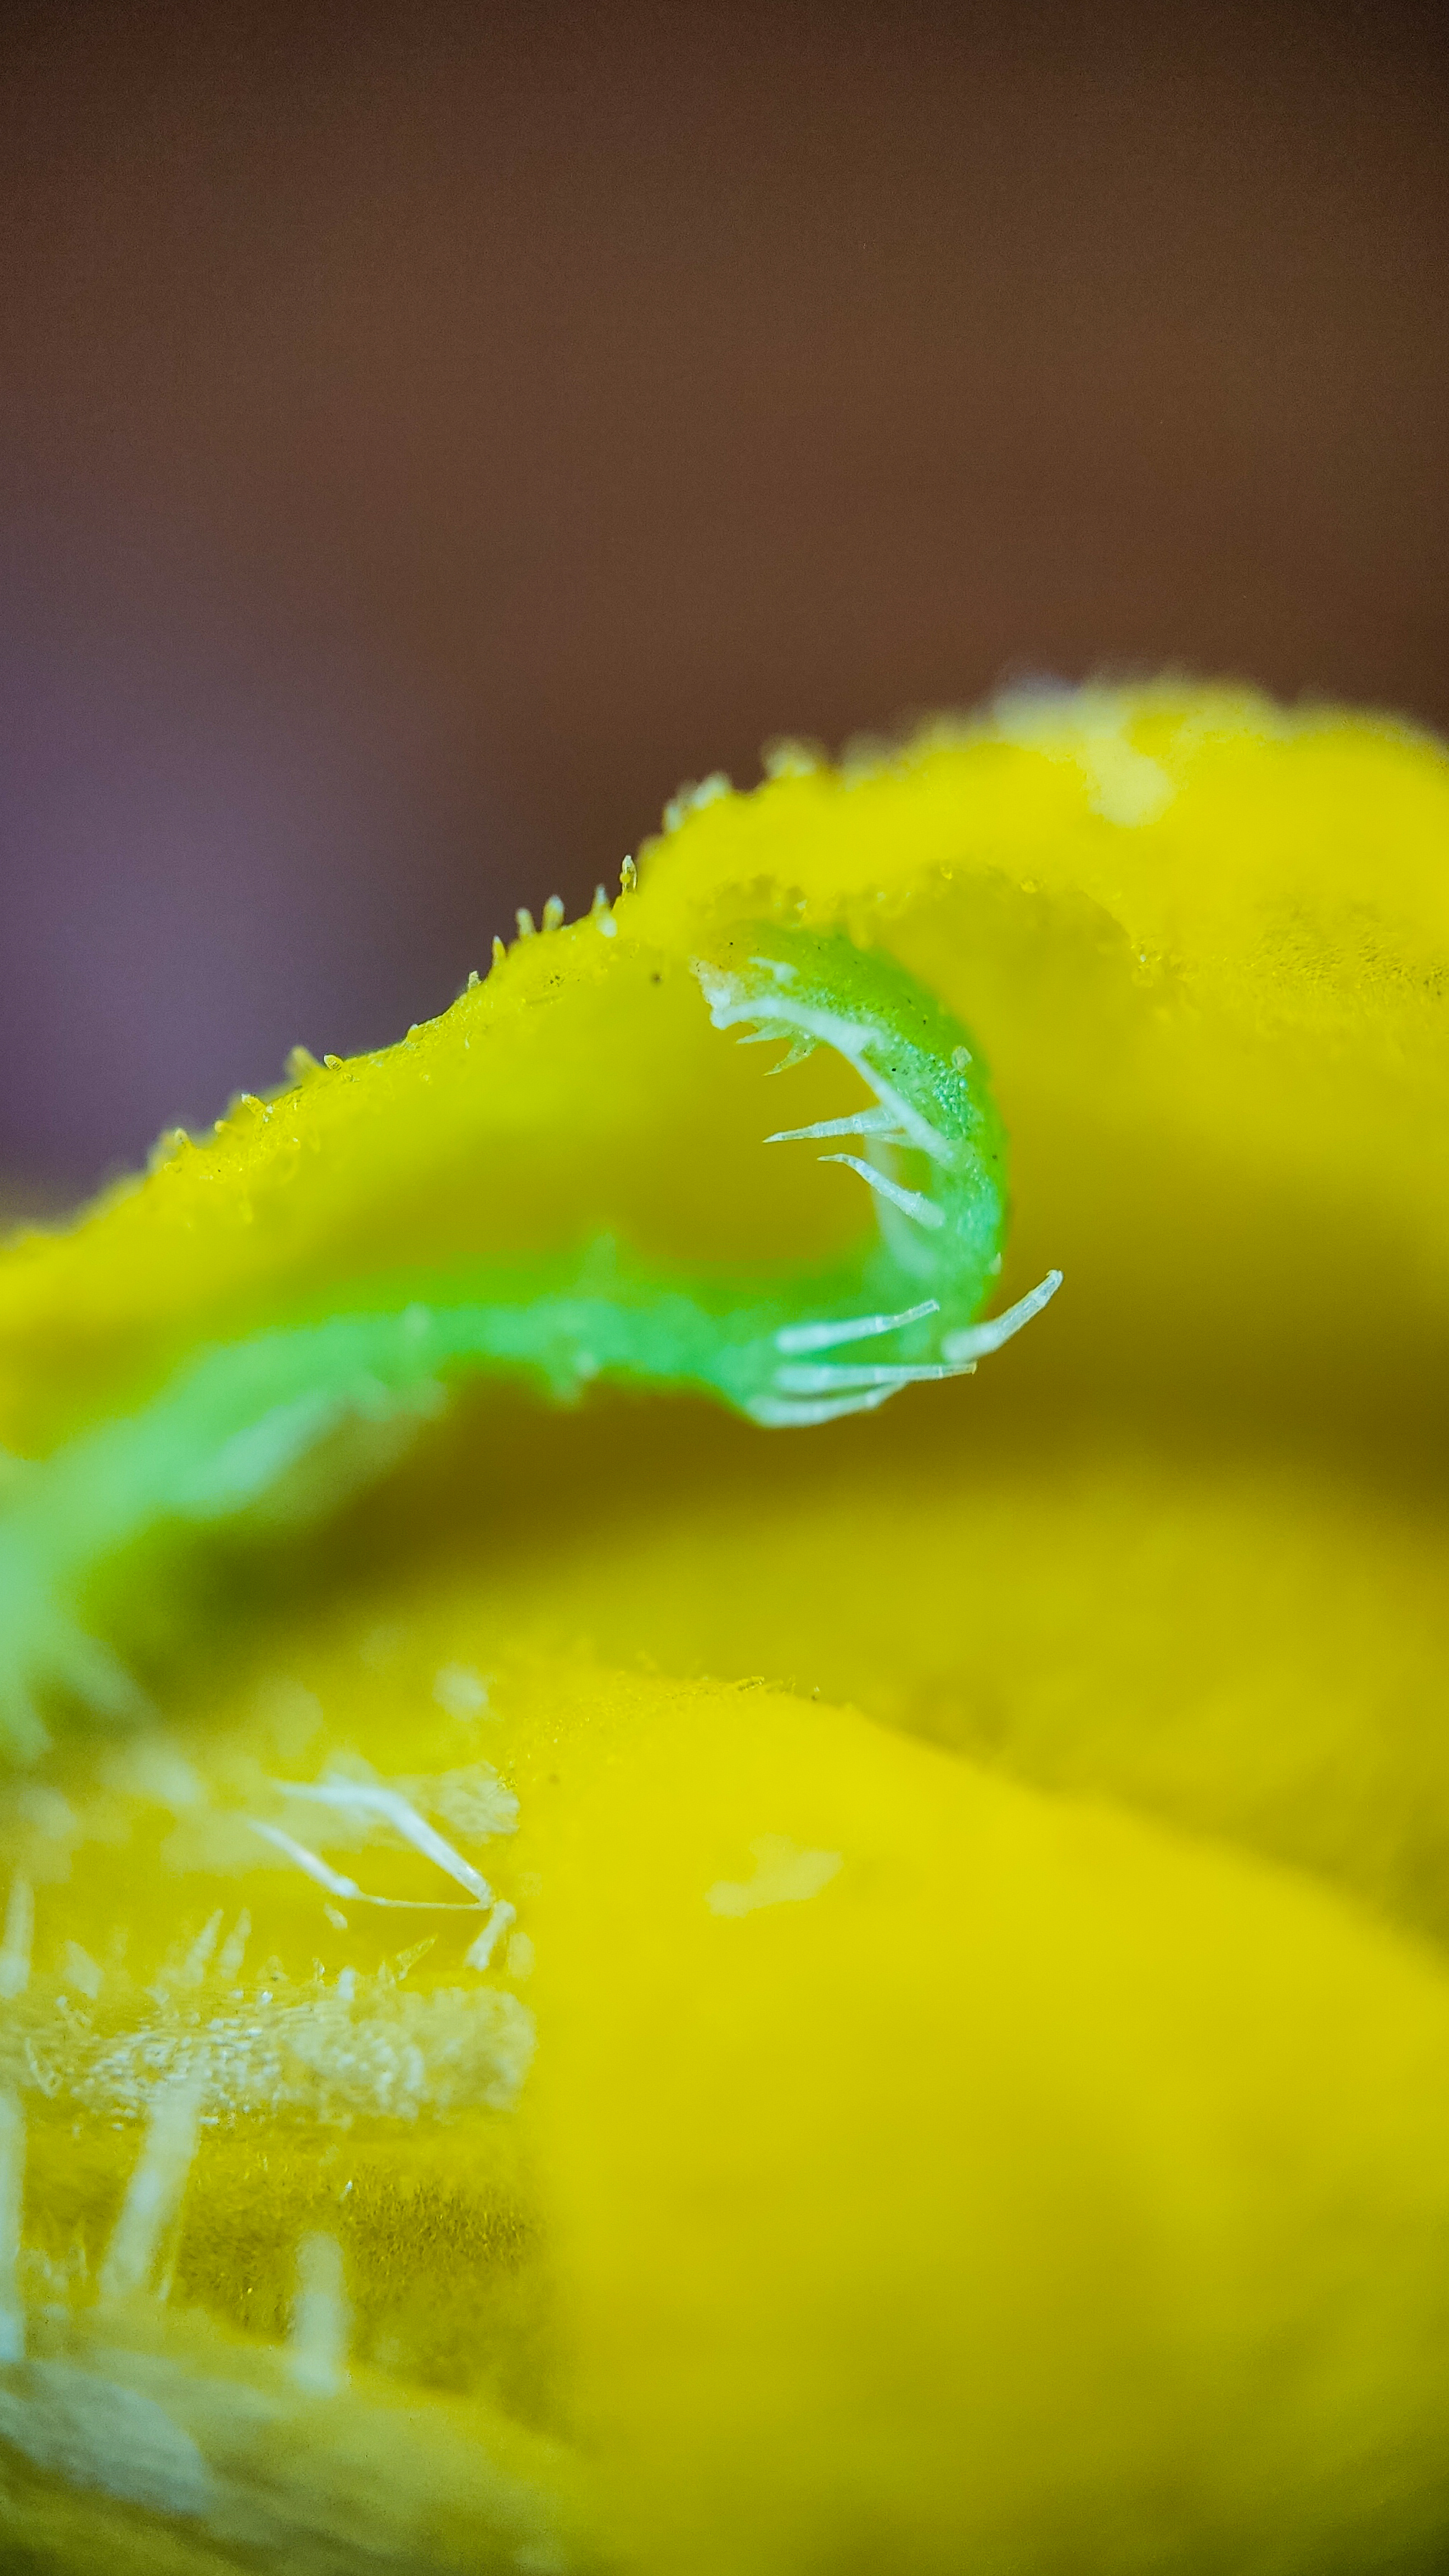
[966, 2078]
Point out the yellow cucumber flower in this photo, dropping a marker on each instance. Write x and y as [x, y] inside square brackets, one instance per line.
[641, 1935]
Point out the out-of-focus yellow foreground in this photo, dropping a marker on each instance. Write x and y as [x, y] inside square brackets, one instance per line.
[658, 1996]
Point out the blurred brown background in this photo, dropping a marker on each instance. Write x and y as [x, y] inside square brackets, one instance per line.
[428, 433]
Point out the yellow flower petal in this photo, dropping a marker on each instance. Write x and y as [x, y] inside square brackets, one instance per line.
[484, 2080]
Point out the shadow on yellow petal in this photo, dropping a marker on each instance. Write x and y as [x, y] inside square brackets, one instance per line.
[1035, 2190]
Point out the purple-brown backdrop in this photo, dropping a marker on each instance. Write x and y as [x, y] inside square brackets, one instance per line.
[427, 434]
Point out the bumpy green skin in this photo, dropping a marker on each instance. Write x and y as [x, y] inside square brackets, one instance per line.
[235, 1428]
